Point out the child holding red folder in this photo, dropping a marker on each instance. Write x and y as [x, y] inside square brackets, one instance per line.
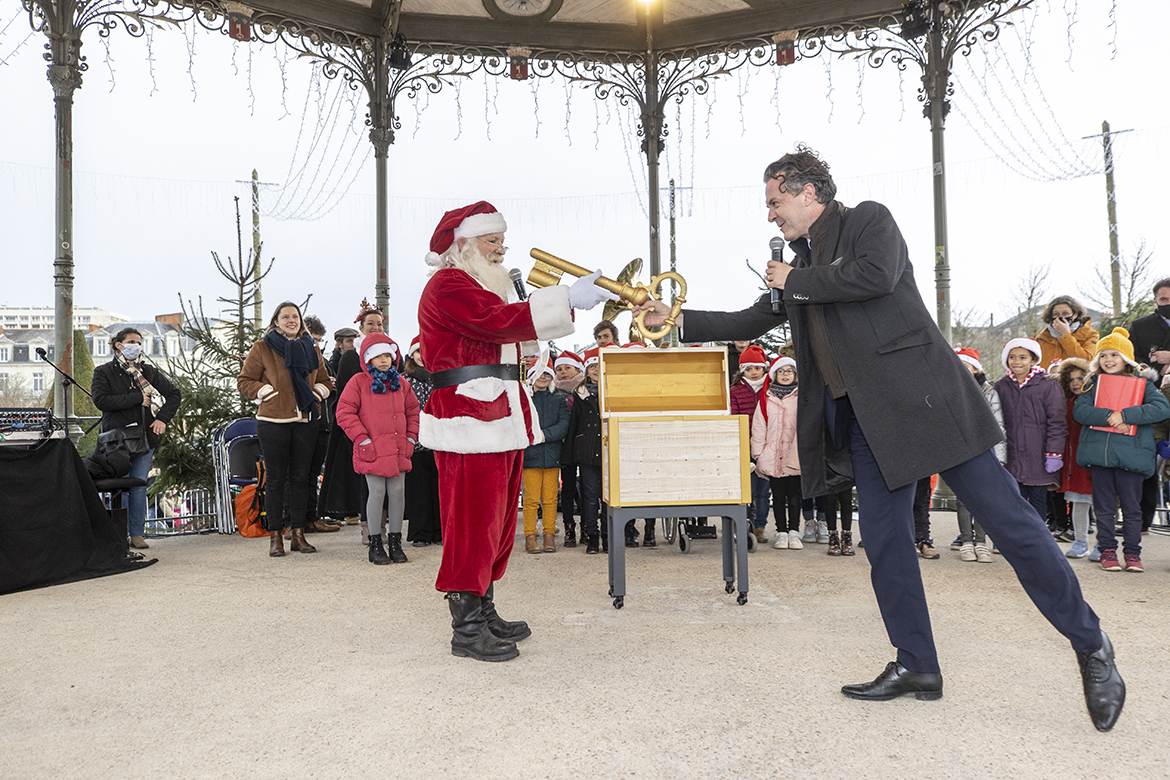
[1121, 458]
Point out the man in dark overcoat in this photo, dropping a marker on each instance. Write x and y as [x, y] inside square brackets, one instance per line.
[1151, 334]
[884, 402]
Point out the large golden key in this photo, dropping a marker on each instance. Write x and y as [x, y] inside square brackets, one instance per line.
[549, 268]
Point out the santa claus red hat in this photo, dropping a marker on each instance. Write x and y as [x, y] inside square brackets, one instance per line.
[413, 346]
[969, 356]
[592, 355]
[539, 368]
[753, 356]
[378, 344]
[779, 363]
[478, 219]
[567, 358]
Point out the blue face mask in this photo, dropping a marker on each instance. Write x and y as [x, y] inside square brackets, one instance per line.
[131, 351]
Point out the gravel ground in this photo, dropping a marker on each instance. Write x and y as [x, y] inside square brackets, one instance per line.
[219, 662]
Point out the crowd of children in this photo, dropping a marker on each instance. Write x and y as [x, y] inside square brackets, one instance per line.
[1075, 450]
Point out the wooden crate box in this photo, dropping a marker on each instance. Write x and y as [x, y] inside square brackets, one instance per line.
[668, 437]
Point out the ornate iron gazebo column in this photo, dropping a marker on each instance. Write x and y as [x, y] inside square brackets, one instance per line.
[929, 33]
[652, 131]
[62, 22]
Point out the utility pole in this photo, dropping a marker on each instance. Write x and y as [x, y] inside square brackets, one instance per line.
[1111, 205]
[258, 299]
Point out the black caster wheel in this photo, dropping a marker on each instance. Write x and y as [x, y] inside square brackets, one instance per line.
[684, 541]
[619, 602]
[751, 542]
[741, 599]
[611, 591]
[728, 588]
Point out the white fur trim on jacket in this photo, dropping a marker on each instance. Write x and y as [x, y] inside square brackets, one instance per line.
[481, 225]
[468, 435]
[551, 315]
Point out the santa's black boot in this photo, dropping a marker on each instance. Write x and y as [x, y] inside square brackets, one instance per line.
[512, 630]
[471, 637]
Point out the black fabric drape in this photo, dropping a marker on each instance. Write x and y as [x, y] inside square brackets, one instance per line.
[53, 525]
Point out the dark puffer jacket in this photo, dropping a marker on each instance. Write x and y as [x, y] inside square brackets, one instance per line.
[554, 422]
[1033, 419]
[583, 441]
[1118, 450]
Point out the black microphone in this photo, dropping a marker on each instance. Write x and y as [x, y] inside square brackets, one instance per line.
[777, 247]
[41, 353]
[518, 283]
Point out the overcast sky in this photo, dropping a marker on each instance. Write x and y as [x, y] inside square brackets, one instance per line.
[163, 129]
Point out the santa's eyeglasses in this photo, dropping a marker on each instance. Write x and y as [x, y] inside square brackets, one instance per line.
[495, 243]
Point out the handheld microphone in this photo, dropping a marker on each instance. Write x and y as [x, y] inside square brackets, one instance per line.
[41, 353]
[518, 283]
[777, 247]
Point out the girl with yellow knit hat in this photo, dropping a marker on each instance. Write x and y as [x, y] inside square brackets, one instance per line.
[1121, 458]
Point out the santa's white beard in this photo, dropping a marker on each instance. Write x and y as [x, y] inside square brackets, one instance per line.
[492, 275]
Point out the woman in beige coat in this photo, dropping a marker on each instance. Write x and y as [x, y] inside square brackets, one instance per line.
[774, 449]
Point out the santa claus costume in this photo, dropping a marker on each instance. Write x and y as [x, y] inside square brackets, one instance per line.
[480, 417]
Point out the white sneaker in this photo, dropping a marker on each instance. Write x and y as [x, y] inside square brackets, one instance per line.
[967, 551]
[794, 541]
[822, 532]
[810, 531]
[781, 542]
[982, 554]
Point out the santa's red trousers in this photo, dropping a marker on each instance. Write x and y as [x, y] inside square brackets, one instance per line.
[478, 498]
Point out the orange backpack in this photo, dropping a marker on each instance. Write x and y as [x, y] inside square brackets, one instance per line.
[248, 513]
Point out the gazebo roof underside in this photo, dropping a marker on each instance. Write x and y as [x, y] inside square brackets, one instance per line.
[579, 25]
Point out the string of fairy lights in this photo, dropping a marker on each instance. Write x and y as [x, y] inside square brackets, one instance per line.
[997, 93]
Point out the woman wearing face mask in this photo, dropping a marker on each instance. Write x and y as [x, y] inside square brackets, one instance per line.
[1067, 332]
[132, 392]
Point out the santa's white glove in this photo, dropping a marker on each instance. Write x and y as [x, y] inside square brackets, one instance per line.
[584, 294]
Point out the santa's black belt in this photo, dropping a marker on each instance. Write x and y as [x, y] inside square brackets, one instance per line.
[457, 376]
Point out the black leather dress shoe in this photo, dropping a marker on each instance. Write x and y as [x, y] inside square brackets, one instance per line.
[896, 681]
[1104, 688]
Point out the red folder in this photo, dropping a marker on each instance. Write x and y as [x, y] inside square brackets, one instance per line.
[1116, 393]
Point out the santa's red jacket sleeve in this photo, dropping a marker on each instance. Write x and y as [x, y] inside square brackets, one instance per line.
[462, 323]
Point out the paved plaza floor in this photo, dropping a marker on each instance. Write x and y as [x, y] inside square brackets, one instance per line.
[220, 662]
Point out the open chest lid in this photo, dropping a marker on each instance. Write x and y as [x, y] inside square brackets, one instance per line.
[664, 381]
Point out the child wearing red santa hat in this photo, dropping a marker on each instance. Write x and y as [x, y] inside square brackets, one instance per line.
[745, 391]
[542, 461]
[583, 449]
[380, 414]
[774, 449]
[570, 373]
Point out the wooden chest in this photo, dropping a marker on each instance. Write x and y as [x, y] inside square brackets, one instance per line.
[668, 436]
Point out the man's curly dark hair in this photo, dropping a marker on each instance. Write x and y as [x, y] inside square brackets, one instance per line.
[799, 168]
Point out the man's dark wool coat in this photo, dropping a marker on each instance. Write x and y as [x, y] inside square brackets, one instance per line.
[916, 403]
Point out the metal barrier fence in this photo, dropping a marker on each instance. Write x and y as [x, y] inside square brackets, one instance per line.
[180, 512]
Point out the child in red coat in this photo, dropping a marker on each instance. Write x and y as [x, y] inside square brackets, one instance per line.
[379, 413]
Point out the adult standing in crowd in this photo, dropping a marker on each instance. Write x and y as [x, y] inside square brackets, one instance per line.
[315, 521]
[889, 403]
[286, 371]
[480, 417]
[422, 481]
[1068, 332]
[1151, 334]
[342, 489]
[342, 343]
[605, 333]
[131, 392]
